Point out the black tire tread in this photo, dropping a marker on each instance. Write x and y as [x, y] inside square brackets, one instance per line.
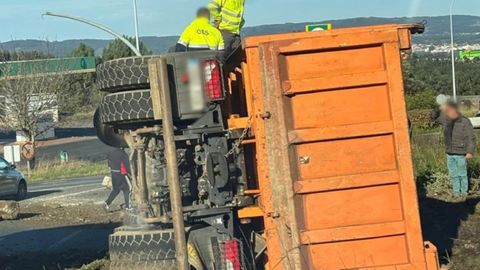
[22, 196]
[128, 106]
[123, 74]
[145, 250]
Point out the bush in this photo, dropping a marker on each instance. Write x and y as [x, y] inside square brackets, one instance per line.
[421, 118]
[421, 100]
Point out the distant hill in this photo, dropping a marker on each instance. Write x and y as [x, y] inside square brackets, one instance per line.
[467, 29]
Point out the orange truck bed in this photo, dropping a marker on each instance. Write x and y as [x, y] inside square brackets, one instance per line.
[333, 166]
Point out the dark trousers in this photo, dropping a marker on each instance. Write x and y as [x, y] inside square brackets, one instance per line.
[232, 41]
[119, 183]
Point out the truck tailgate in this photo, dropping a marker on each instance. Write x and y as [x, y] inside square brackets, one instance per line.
[333, 149]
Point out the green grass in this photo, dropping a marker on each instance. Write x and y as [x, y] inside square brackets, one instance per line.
[430, 163]
[73, 169]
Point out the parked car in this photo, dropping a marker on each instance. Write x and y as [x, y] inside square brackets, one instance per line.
[12, 181]
[475, 120]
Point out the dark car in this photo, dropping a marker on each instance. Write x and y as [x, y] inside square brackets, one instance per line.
[12, 182]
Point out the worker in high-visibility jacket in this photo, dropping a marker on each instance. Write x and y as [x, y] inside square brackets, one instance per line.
[200, 35]
[228, 18]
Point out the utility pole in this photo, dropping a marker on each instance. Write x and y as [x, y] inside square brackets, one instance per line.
[99, 26]
[453, 52]
[135, 16]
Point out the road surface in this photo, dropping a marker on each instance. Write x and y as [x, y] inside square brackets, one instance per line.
[61, 225]
[80, 143]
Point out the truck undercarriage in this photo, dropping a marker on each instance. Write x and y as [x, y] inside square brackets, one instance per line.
[210, 170]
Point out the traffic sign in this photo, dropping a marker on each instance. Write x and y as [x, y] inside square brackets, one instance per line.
[11, 153]
[28, 151]
[57, 66]
[318, 27]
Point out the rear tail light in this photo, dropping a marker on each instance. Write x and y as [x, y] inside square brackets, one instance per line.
[231, 255]
[213, 80]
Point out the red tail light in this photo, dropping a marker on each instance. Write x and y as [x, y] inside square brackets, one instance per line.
[231, 255]
[213, 80]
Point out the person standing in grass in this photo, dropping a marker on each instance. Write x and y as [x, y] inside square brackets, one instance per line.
[460, 145]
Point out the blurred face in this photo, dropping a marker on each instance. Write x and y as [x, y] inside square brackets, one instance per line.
[451, 112]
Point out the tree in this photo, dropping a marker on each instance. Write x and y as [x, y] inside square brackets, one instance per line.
[117, 49]
[83, 50]
[433, 73]
[29, 97]
[79, 93]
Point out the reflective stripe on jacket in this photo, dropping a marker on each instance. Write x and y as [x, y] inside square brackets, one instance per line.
[200, 34]
[229, 13]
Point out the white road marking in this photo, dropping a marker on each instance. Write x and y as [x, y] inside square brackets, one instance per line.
[65, 239]
[70, 194]
[63, 188]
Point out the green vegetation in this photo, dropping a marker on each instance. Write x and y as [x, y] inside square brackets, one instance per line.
[421, 74]
[425, 78]
[74, 168]
[117, 49]
[83, 50]
[78, 94]
[430, 165]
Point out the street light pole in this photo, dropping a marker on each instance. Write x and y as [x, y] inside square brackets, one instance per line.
[135, 15]
[453, 52]
[99, 26]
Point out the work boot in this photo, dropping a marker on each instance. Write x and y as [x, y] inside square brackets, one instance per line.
[106, 207]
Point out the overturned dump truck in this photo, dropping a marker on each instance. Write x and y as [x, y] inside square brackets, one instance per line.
[293, 153]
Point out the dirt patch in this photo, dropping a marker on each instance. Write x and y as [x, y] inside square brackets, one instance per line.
[57, 235]
[48, 214]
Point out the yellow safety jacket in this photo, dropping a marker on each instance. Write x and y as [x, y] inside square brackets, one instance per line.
[201, 35]
[229, 13]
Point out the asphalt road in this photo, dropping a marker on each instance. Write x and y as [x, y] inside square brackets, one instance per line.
[61, 225]
[79, 190]
[89, 147]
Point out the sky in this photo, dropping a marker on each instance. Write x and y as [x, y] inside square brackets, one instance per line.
[21, 19]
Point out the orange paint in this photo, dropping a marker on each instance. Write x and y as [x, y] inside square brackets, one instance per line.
[333, 160]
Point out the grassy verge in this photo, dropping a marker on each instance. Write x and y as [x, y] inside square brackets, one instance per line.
[449, 224]
[431, 170]
[72, 169]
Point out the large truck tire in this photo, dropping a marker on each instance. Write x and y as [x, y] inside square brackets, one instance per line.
[128, 106]
[106, 133]
[143, 250]
[123, 74]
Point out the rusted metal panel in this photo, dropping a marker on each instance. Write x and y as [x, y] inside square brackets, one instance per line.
[158, 68]
[276, 139]
[155, 93]
[253, 42]
[333, 154]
